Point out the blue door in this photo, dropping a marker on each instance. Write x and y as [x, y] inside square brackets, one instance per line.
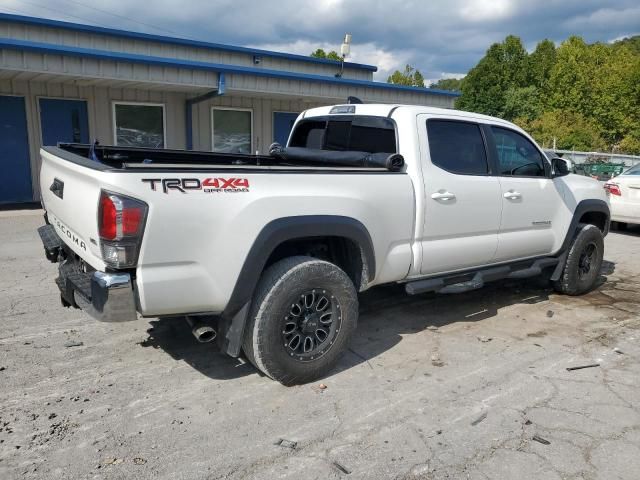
[63, 121]
[282, 125]
[14, 152]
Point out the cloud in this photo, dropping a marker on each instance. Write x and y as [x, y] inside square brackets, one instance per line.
[483, 10]
[436, 36]
[605, 18]
[366, 53]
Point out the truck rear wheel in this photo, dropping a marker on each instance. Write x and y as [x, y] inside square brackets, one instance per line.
[303, 315]
[583, 263]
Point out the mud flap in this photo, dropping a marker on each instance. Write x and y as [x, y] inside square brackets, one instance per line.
[231, 331]
[557, 273]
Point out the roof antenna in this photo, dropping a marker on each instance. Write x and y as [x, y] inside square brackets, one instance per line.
[345, 49]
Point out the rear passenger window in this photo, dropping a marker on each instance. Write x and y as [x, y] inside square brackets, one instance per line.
[517, 156]
[346, 133]
[457, 147]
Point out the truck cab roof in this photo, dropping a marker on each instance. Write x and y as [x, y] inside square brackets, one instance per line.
[393, 110]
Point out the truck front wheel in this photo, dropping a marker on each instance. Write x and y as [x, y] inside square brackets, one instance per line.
[583, 263]
[303, 315]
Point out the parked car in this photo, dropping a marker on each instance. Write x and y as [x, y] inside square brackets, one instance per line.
[624, 196]
[277, 247]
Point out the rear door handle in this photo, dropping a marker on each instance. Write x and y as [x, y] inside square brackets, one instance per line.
[443, 196]
[512, 195]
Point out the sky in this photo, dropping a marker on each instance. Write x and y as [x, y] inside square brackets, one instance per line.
[441, 38]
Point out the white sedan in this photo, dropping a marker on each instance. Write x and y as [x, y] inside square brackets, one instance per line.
[624, 195]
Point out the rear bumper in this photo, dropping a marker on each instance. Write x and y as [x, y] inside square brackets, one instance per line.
[107, 297]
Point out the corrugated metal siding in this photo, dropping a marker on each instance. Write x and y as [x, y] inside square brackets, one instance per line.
[100, 112]
[91, 68]
[99, 41]
[331, 93]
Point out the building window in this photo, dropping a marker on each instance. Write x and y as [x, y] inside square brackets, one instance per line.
[139, 125]
[232, 130]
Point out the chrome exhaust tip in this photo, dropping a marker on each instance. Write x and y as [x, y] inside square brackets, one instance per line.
[201, 331]
[204, 334]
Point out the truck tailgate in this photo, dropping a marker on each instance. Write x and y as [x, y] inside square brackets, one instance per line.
[70, 195]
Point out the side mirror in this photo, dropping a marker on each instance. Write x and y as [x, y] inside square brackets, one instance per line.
[560, 166]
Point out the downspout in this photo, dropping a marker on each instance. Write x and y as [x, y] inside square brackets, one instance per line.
[192, 101]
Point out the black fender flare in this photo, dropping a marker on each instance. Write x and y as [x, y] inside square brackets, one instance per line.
[584, 206]
[233, 320]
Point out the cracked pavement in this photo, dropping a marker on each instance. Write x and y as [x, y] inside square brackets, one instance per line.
[433, 387]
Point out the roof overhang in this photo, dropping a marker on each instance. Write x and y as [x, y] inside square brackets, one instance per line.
[66, 60]
[78, 27]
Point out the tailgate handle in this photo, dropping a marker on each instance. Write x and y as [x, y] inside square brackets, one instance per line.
[57, 187]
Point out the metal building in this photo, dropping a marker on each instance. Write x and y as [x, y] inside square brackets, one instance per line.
[67, 82]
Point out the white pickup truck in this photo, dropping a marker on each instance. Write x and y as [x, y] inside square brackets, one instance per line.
[275, 248]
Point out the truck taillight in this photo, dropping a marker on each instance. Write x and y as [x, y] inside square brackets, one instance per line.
[120, 226]
[613, 189]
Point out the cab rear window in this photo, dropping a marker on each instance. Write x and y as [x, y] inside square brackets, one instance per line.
[346, 133]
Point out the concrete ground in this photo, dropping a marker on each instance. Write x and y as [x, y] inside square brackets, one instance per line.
[472, 386]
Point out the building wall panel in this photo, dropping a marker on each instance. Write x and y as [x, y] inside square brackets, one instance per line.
[106, 69]
[148, 47]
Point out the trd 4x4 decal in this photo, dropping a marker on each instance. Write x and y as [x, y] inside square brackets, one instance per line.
[208, 185]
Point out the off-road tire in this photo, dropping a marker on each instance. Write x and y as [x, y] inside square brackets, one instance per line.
[578, 277]
[279, 288]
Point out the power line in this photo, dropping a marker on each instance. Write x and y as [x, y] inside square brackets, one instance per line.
[91, 22]
[166, 30]
[15, 10]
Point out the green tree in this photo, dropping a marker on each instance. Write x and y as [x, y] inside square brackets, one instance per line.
[572, 131]
[633, 43]
[452, 84]
[540, 63]
[504, 66]
[587, 96]
[571, 81]
[409, 77]
[484, 85]
[522, 102]
[630, 144]
[515, 61]
[600, 82]
[332, 55]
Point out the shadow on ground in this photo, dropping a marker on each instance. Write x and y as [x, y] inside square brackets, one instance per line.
[386, 313]
[630, 230]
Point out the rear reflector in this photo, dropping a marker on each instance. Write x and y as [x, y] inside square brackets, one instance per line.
[120, 226]
[613, 189]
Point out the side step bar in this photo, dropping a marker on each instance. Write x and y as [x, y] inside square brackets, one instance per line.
[453, 283]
